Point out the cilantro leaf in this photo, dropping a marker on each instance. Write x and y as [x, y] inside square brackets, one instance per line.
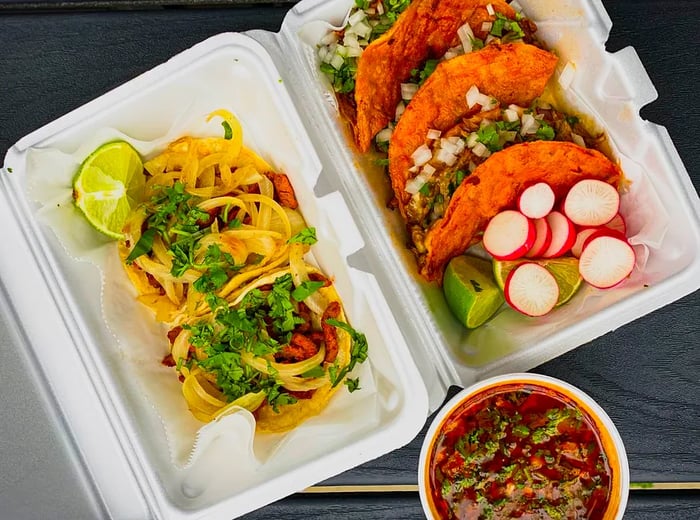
[352, 384]
[358, 351]
[314, 372]
[143, 246]
[306, 289]
[228, 132]
[305, 236]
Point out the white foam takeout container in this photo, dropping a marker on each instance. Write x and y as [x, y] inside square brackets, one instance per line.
[87, 352]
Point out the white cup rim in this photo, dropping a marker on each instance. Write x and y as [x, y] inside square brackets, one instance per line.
[599, 415]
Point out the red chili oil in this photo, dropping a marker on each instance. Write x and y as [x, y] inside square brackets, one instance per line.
[520, 451]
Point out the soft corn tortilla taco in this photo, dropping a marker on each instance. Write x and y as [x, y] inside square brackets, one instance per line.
[427, 29]
[514, 73]
[496, 184]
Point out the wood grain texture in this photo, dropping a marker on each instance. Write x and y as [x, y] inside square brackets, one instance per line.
[644, 374]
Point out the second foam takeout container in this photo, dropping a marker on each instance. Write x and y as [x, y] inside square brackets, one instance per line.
[140, 463]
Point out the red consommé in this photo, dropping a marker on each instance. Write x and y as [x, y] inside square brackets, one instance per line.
[519, 451]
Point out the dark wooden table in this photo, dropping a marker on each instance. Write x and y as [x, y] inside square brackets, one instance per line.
[57, 55]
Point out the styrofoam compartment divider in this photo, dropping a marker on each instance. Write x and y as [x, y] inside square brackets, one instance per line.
[361, 244]
[84, 356]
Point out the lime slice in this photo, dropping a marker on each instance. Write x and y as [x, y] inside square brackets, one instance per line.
[470, 290]
[107, 186]
[564, 269]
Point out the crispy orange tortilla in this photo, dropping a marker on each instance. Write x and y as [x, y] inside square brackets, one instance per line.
[511, 73]
[496, 184]
[427, 29]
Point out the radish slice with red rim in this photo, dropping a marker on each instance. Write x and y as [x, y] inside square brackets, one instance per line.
[563, 235]
[618, 224]
[542, 240]
[606, 261]
[581, 238]
[531, 289]
[509, 235]
[591, 202]
[536, 201]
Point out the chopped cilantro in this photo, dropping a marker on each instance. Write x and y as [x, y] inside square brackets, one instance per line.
[306, 289]
[545, 132]
[358, 352]
[306, 236]
[352, 384]
[228, 132]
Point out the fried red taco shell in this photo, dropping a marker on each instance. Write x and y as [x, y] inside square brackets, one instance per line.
[496, 184]
[512, 73]
[427, 29]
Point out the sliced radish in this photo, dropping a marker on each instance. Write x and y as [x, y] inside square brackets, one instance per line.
[581, 238]
[563, 235]
[509, 235]
[542, 240]
[531, 289]
[591, 202]
[536, 201]
[618, 224]
[602, 231]
[606, 261]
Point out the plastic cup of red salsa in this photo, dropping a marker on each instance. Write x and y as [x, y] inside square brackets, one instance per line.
[523, 443]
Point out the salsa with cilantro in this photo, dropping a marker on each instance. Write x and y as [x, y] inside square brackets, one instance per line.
[519, 451]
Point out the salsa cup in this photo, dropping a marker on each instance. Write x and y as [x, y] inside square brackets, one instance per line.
[463, 405]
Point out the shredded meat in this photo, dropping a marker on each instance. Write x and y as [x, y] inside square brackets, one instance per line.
[168, 361]
[284, 191]
[300, 347]
[330, 335]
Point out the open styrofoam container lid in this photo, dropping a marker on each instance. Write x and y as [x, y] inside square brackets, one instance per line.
[109, 343]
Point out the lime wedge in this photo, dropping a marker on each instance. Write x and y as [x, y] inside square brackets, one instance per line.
[564, 269]
[107, 185]
[470, 290]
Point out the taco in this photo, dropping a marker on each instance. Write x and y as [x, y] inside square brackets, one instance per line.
[427, 29]
[495, 185]
[509, 74]
[216, 252]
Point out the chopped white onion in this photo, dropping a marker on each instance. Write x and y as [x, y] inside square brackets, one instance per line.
[472, 140]
[466, 35]
[354, 52]
[567, 76]
[337, 61]
[489, 39]
[510, 115]
[384, 135]
[473, 96]
[380, 8]
[446, 157]
[399, 110]
[363, 29]
[485, 122]
[578, 140]
[490, 10]
[517, 109]
[350, 40]
[408, 90]
[487, 102]
[357, 17]
[480, 150]
[453, 52]
[413, 169]
[460, 144]
[486, 27]
[329, 38]
[433, 134]
[454, 139]
[428, 170]
[322, 53]
[514, 4]
[341, 50]
[529, 125]
[422, 155]
[414, 185]
[448, 146]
